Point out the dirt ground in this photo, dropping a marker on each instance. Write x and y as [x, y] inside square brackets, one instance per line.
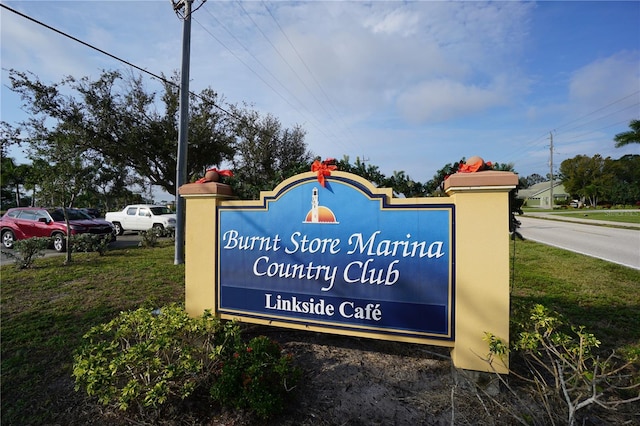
[357, 381]
[351, 381]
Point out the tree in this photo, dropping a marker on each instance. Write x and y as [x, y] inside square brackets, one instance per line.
[116, 120]
[631, 136]
[368, 171]
[587, 177]
[265, 153]
[12, 180]
[624, 188]
[434, 187]
[503, 167]
[534, 179]
[9, 135]
[403, 184]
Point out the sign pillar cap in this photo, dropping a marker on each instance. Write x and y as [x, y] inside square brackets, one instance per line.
[486, 178]
[207, 188]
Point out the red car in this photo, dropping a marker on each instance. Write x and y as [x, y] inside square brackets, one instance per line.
[26, 222]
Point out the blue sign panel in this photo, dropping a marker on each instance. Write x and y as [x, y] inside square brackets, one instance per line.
[340, 256]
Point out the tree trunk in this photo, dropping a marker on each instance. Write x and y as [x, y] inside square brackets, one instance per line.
[17, 195]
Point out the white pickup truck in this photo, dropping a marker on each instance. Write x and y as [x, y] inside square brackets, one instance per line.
[141, 217]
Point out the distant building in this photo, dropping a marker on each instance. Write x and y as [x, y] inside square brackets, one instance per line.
[538, 195]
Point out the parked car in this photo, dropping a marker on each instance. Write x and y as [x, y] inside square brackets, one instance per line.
[91, 211]
[141, 217]
[26, 222]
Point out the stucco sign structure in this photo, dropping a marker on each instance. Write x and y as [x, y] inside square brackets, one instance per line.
[345, 257]
[349, 258]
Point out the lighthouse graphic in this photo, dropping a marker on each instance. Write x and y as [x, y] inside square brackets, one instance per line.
[318, 213]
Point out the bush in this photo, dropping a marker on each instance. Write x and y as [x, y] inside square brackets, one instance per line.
[90, 242]
[145, 363]
[565, 371]
[25, 252]
[150, 236]
[144, 359]
[257, 378]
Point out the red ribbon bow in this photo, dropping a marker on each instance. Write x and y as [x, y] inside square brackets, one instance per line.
[323, 168]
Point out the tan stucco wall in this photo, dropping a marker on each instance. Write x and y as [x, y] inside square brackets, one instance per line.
[481, 265]
[482, 268]
[200, 234]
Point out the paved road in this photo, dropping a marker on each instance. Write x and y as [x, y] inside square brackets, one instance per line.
[615, 245]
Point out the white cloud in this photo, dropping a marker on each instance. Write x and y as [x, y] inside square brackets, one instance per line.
[441, 99]
[609, 78]
[386, 55]
[25, 47]
[392, 22]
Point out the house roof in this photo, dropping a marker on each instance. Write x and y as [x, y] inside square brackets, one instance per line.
[539, 188]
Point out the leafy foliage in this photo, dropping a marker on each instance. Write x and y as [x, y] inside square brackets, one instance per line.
[86, 243]
[145, 359]
[602, 179]
[113, 122]
[150, 237]
[533, 179]
[145, 362]
[563, 367]
[265, 154]
[435, 186]
[13, 176]
[26, 251]
[256, 377]
[628, 137]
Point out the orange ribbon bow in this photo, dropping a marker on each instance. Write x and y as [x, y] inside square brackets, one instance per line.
[212, 172]
[474, 167]
[323, 168]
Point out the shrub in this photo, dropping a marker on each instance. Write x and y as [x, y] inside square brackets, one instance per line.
[257, 377]
[144, 359]
[90, 242]
[169, 233]
[150, 236]
[145, 362]
[563, 366]
[25, 252]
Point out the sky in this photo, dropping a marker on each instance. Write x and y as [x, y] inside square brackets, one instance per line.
[405, 86]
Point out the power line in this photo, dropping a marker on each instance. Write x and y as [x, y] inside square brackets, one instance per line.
[544, 137]
[255, 72]
[600, 118]
[599, 129]
[309, 116]
[293, 47]
[599, 109]
[104, 52]
[124, 61]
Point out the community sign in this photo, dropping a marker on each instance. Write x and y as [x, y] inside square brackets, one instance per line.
[341, 255]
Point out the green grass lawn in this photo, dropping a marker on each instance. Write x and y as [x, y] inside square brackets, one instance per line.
[603, 296]
[608, 215]
[46, 310]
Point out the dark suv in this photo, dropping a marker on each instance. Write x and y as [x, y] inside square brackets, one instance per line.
[26, 222]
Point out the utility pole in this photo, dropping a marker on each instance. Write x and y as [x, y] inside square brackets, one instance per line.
[551, 169]
[183, 129]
